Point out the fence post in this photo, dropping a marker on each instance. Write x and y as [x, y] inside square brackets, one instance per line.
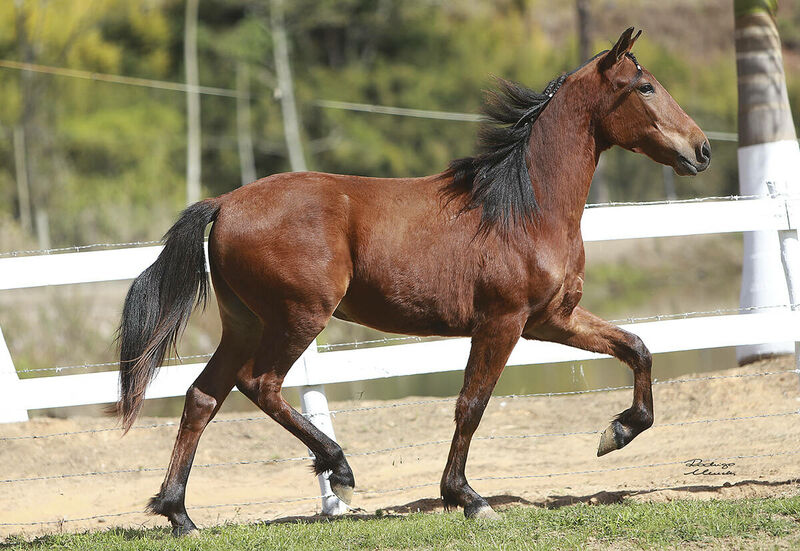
[315, 406]
[790, 251]
[10, 410]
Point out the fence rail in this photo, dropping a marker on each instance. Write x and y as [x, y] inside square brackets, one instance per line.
[420, 358]
[602, 223]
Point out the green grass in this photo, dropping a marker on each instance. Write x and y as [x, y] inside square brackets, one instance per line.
[752, 523]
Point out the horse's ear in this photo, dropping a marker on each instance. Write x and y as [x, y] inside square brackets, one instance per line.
[623, 46]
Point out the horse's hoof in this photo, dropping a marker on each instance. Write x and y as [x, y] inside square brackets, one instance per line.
[484, 512]
[345, 493]
[615, 437]
[185, 532]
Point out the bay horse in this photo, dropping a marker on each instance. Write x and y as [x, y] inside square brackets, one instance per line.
[489, 249]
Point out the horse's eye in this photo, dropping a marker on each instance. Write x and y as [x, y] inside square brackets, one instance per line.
[646, 88]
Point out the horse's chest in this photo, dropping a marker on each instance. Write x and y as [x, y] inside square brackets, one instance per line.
[561, 282]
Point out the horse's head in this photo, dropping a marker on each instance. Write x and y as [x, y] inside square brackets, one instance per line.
[641, 116]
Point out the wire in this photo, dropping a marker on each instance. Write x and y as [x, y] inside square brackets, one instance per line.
[414, 487]
[401, 111]
[357, 344]
[227, 92]
[451, 115]
[120, 79]
[78, 248]
[58, 369]
[385, 450]
[362, 409]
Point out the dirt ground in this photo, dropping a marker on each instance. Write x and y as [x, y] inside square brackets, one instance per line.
[506, 463]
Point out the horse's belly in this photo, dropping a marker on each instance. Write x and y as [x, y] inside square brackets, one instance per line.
[411, 313]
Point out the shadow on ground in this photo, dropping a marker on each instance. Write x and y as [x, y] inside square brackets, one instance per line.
[432, 505]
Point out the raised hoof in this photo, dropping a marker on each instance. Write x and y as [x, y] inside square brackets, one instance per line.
[615, 437]
[345, 493]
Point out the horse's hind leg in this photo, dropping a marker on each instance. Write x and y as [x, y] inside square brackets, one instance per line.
[261, 380]
[491, 347]
[584, 330]
[203, 400]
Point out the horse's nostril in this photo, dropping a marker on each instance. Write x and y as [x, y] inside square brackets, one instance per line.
[705, 152]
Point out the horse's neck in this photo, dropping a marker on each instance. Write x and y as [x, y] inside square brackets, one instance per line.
[563, 157]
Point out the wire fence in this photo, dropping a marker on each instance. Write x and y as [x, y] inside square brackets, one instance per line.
[355, 345]
[241, 462]
[83, 248]
[399, 448]
[418, 486]
[434, 114]
[393, 405]
[396, 405]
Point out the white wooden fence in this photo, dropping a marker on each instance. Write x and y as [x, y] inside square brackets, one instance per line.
[777, 213]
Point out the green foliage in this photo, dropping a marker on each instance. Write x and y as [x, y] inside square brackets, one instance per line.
[108, 160]
[736, 524]
[744, 7]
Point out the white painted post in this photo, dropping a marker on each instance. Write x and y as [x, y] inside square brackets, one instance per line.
[762, 284]
[315, 407]
[790, 251]
[10, 409]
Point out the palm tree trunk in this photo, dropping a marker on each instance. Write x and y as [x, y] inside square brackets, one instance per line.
[768, 151]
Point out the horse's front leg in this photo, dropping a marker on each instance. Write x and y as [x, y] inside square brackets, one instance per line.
[584, 330]
[491, 346]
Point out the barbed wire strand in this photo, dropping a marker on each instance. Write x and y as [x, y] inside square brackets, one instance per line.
[395, 405]
[79, 248]
[242, 462]
[174, 360]
[228, 92]
[416, 486]
[120, 79]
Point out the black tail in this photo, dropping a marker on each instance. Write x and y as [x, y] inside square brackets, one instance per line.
[159, 303]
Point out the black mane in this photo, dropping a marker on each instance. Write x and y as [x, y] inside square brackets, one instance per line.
[496, 178]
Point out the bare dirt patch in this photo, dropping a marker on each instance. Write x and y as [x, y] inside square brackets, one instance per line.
[506, 461]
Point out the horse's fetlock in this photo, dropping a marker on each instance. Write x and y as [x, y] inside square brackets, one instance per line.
[165, 503]
[646, 418]
[335, 462]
